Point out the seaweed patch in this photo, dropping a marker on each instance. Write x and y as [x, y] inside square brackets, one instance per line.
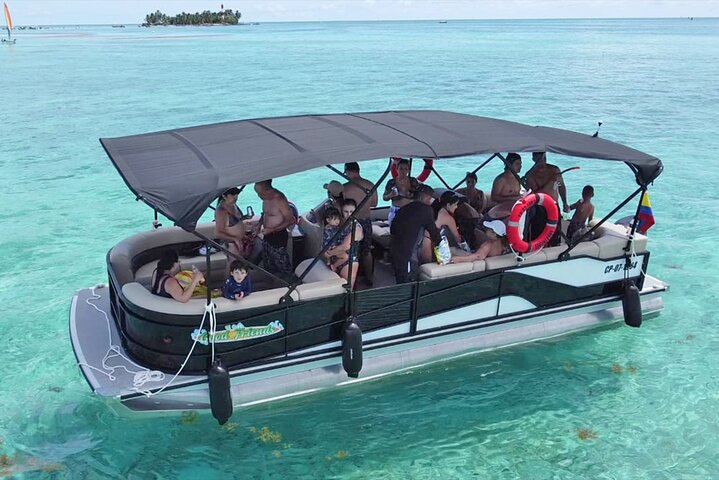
[265, 435]
[188, 418]
[586, 434]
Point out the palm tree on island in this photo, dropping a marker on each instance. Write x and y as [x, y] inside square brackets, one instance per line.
[223, 17]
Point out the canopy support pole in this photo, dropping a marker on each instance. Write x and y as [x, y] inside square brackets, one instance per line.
[440, 178]
[350, 283]
[156, 222]
[565, 254]
[475, 170]
[369, 194]
[635, 224]
[237, 257]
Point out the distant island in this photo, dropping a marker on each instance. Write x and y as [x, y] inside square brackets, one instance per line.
[224, 17]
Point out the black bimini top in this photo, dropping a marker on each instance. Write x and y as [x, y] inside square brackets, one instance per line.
[180, 172]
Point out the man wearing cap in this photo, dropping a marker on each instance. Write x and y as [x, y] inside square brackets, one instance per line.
[545, 178]
[407, 229]
[335, 198]
[356, 189]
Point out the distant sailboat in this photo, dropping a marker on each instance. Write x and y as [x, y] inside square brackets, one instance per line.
[8, 22]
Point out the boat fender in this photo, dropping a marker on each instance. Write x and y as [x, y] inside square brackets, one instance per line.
[514, 236]
[632, 306]
[352, 348]
[218, 379]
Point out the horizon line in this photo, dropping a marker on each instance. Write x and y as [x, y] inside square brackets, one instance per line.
[378, 20]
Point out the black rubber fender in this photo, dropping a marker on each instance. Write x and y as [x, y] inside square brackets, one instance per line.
[352, 348]
[218, 379]
[632, 305]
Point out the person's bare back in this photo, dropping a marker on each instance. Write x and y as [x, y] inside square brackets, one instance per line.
[355, 190]
[584, 209]
[544, 178]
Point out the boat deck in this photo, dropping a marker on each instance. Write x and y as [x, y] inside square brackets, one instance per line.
[89, 316]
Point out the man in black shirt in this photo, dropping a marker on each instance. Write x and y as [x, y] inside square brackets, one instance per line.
[407, 232]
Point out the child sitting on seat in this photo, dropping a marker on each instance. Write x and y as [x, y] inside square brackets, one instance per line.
[584, 211]
[333, 218]
[238, 285]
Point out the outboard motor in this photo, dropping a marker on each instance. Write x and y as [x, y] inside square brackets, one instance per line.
[352, 348]
[631, 305]
[218, 379]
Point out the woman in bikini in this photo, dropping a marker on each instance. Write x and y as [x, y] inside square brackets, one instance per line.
[347, 251]
[228, 221]
[164, 283]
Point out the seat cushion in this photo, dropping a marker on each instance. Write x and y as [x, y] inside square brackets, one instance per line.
[590, 249]
[502, 261]
[319, 273]
[430, 271]
[380, 234]
[313, 235]
[326, 288]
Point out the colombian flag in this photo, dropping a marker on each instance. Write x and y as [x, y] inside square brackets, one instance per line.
[646, 216]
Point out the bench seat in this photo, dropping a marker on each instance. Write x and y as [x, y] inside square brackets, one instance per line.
[319, 282]
[140, 296]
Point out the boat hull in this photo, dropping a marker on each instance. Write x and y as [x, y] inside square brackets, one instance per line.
[319, 368]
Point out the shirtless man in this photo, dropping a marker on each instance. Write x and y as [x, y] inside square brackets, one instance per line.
[400, 190]
[276, 218]
[356, 190]
[545, 178]
[584, 210]
[506, 187]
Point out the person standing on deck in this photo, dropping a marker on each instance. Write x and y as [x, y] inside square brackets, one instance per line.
[400, 190]
[545, 178]
[506, 188]
[356, 190]
[277, 217]
[408, 230]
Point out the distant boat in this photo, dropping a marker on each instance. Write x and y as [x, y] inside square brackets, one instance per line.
[443, 21]
[118, 26]
[8, 22]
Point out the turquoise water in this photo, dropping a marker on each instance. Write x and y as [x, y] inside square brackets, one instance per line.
[616, 403]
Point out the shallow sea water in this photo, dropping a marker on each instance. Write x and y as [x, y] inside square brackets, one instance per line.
[615, 403]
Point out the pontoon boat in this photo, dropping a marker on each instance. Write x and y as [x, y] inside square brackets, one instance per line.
[149, 353]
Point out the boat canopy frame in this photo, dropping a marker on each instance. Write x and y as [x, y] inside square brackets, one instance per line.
[181, 172]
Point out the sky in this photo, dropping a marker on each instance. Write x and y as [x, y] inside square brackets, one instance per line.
[64, 12]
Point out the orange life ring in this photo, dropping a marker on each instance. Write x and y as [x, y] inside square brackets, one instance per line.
[523, 204]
